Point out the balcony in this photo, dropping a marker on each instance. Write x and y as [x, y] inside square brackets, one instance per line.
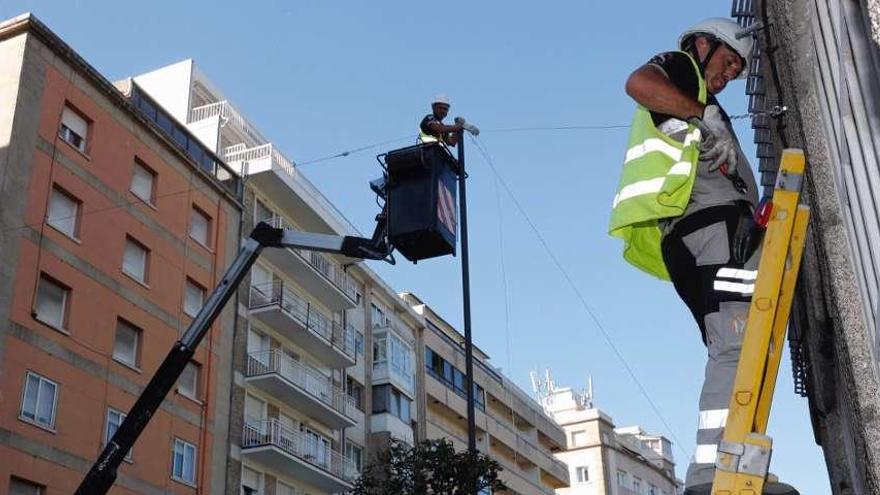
[315, 272]
[282, 308]
[300, 387]
[393, 360]
[296, 455]
[277, 176]
[228, 115]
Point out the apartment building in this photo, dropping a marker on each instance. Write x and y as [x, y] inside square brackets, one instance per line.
[393, 399]
[115, 222]
[511, 427]
[602, 459]
[324, 355]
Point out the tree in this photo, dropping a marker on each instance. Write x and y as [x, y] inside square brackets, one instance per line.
[430, 467]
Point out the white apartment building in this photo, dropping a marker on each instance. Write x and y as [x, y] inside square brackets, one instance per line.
[511, 427]
[308, 381]
[602, 459]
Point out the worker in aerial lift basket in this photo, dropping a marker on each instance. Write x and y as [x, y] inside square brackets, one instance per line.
[432, 129]
[684, 209]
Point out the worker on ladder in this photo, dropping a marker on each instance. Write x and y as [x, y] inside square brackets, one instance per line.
[684, 209]
[432, 129]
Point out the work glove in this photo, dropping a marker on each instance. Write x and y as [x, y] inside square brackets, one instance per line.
[468, 127]
[718, 146]
[746, 239]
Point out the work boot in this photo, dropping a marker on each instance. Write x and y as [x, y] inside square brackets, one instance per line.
[770, 488]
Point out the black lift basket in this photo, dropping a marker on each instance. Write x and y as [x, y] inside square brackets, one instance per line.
[421, 200]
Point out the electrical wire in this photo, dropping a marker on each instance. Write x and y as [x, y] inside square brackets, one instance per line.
[504, 286]
[352, 151]
[558, 128]
[577, 292]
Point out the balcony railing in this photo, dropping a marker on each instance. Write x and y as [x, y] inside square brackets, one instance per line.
[329, 270]
[276, 293]
[228, 113]
[316, 384]
[270, 432]
[239, 154]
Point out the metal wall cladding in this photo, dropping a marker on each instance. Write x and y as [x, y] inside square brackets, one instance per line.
[848, 75]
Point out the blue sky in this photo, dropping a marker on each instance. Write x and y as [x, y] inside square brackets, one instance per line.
[320, 77]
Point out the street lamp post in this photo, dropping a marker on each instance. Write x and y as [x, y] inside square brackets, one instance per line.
[466, 295]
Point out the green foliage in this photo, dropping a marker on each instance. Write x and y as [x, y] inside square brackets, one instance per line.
[430, 467]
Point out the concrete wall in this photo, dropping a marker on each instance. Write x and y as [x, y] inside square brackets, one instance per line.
[824, 67]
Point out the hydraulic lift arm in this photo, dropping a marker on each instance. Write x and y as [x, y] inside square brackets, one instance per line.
[103, 473]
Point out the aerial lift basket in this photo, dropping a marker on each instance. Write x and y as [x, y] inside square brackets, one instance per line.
[421, 200]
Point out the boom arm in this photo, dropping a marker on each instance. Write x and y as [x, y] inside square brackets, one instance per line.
[103, 473]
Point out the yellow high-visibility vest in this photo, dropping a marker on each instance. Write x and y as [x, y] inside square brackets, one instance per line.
[656, 182]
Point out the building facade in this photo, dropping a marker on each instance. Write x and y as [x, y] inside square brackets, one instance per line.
[115, 222]
[821, 60]
[296, 338]
[602, 459]
[324, 352]
[511, 427]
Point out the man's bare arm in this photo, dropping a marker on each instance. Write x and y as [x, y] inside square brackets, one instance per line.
[650, 87]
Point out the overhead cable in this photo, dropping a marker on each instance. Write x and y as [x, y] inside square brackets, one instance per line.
[577, 293]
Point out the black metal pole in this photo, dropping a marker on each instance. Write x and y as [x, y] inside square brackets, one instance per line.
[466, 295]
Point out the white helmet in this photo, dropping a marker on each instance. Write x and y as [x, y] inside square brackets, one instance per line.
[440, 98]
[724, 30]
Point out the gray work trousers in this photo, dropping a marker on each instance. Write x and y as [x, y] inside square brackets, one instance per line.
[718, 291]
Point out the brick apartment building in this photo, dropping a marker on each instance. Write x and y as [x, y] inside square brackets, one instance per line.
[115, 222]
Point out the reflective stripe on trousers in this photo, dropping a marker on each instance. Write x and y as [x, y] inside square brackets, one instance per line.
[718, 293]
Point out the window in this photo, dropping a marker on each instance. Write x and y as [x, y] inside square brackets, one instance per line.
[359, 343]
[578, 438]
[317, 448]
[114, 420]
[479, 397]
[38, 400]
[254, 410]
[52, 302]
[452, 377]
[183, 462]
[18, 486]
[194, 297]
[582, 474]
[251, 481]
[652, 490]
[64, 213]
[282, 488]
[387, 399]
[380, 350]
[135, 260]
[355, 453]
[378, 315]
[125, 349]
[188, 384]
[262, 213]
[143, 182]
[458, 382]
[200, 226]
[621, 478]
[356, 391]
[74, 129]
[637, 485]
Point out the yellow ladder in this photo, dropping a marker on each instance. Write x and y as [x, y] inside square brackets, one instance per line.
[744, 452]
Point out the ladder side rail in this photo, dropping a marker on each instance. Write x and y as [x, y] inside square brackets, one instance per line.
[742, 455]
[780, 325]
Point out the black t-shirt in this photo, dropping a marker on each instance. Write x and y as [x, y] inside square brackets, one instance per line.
[425, 126]
[680, 70]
